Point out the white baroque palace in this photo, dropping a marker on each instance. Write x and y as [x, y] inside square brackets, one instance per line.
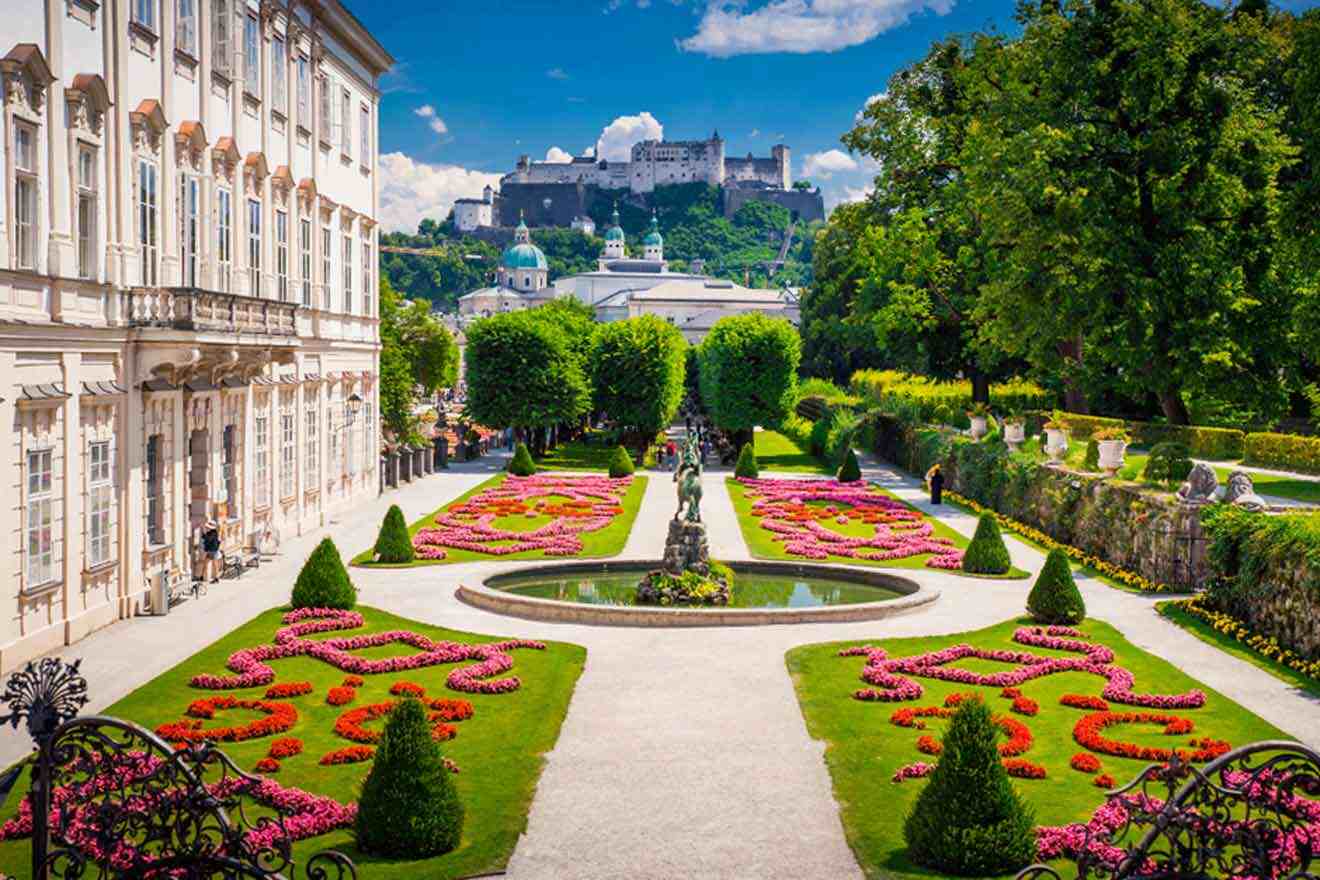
[188, 326]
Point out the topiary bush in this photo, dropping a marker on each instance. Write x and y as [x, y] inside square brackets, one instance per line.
[987, 553]
[1169, 462]
[393, 544]
[849, 471]
[1092, 460]
[621, 464]
[747, 466]
[969, 820]
[323, 581]
[1054, 598]
[408, 807]
[521, 465]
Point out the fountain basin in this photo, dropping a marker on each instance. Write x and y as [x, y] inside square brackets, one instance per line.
[599, 593]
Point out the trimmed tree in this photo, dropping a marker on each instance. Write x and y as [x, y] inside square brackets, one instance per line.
[637, 370]
[621, 464]
[969, 820]
[323, 581]
[1091, 462]
[849, 471]
[393, 543]
[987, 553]
[408, 807]
[748, 372]
[747, 466]
[1054, 598]
[521, 465]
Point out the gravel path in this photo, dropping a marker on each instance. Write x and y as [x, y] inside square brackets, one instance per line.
[683, 753]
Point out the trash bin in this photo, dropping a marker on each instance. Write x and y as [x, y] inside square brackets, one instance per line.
[160, 594]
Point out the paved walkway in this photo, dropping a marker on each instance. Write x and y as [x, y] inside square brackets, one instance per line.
[683, 753]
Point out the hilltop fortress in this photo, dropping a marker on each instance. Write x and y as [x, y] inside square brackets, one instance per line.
[562, 193]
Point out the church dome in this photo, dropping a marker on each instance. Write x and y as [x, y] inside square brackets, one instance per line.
[654, 238]
[524, 256]
[615, 232]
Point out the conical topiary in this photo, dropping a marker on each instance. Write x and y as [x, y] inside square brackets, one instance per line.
[1055, 598]
[969, 820]
[408, 807]
[521, 465]
[621, 464]
[987, 553]
[849, 471]
[323, 581]
[1091, 461]
[747, 466]
[393, 543]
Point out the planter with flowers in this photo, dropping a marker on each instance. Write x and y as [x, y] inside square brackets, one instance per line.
[1056, 439]
[1112, 443]
[1015, 431]
[979, 415]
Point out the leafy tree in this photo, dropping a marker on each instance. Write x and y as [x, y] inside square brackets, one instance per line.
[986, 554]
[849, 471]
[521, 465]
[969, 820]
[417, 351]
[748, 371]
[323, 581]
[408, 807]
[523, 372]
[1055, 599]
[747, 466]
[393, 543]
[621, 464]
[637, 371]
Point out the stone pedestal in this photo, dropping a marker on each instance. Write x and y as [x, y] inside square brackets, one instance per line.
[686, 548]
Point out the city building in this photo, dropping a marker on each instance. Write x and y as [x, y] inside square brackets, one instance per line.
[188, 324]
[521, 282]
[470, 214]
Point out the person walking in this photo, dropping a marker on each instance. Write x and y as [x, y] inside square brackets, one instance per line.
[935, 480]
[211, 551]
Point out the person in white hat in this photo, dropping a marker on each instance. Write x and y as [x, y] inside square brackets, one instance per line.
[211, 550]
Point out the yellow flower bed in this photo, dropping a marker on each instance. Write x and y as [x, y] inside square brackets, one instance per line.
[1108, 569]
[1240, 632]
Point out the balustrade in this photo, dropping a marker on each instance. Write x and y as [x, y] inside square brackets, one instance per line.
[180, 308]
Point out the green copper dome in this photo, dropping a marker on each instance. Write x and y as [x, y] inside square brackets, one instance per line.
[523, 256]
[615, 232]
[654, 238]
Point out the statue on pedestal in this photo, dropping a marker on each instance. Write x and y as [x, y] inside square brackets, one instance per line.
[688, 477]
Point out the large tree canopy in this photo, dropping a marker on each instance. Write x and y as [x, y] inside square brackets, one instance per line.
[748, 366]
[417, 351]
[523, 372]
[637, 373]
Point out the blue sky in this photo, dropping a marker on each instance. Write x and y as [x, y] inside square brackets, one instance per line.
[478, 83]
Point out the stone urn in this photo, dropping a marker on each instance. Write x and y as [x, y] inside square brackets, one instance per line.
[1015, 434]
[1111, 455]
[979, 426]
[1056, 444]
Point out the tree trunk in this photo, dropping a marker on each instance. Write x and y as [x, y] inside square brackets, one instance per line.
[980, 387]
[1074, 398]
[1175, 410]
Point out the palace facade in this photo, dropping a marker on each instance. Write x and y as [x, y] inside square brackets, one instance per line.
[188, 324]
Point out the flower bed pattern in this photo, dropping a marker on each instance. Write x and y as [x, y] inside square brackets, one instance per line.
[251, 665]
[280, 717]
[783, 508]
[589, 503]
[350, 724]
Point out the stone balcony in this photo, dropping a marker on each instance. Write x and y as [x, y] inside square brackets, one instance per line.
[189, 309]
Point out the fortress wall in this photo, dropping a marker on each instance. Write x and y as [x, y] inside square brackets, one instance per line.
[806, 206]
[567, 200]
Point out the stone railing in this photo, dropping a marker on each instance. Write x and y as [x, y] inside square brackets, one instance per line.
[186, 308]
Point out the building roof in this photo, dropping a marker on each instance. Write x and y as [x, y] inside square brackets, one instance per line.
[710, 290]
[523, 256]
[615, 232]
[498, 290]
[653, 237]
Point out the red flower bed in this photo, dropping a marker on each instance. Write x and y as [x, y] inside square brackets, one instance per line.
[1178, 727]
[929, 745]
[1085, 762]
[1019, 735]
[349, 755]
[954, 699]
[1104, 780]
[350, 725]
[911, 717]
[1010, 693]
[284, 690]
[407, 689]
[340, 696]
[1023, 769]
[267, 765]
[280, 717]
[1089, 733]
[353, 681]
[1025, 705]
[285, 747]
[1081, 701]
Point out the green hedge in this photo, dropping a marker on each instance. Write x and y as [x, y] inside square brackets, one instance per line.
[1217, 443]
[1284, 451]
[887, 387]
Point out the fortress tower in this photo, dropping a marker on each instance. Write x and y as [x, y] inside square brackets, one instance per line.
[779, 153]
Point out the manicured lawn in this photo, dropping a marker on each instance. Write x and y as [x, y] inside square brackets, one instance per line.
[608, 541]
[498, 750]
[578, 456]
[779, 452]
[1229, 645]
[762, 544]
[863, 749]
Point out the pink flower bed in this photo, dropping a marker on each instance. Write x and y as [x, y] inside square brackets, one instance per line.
[592, 503]
[784, 509]
[891, 684]
[252, 669]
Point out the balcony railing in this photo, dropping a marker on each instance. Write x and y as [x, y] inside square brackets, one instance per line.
[186, 308]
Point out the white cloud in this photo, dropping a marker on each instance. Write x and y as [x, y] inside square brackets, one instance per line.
[827, 163]
[869, 101]
[617, 139]
[411, 190]
[556, 73]
[729, 27]
[427, 112]
[554, 154]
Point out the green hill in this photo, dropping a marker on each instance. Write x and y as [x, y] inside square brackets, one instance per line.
[690, 220]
